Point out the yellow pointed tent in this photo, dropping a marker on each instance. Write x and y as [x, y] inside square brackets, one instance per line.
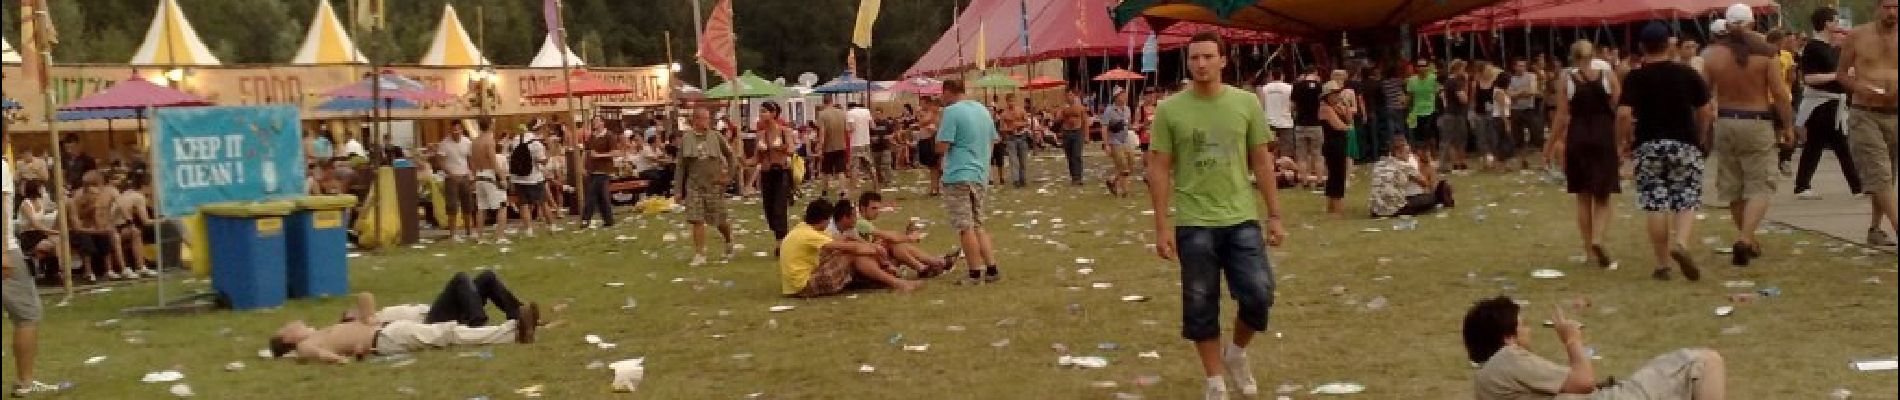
[7, 54]
[452, 46]
[327, 42]
[550, 55]
[172, 41]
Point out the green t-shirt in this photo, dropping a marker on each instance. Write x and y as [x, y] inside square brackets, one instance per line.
[1424, 92]
[1209, 138]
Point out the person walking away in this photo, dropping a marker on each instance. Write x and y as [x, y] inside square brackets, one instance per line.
[1307, 131]
[858, 120]
[21, 298]
[1075, 124]
[1213, 231]
[775, 180]
[1487, 120]
[834, 145]
[707, 165]
[1371, 136]
[1868, 71]
[1454, 121]
[1752, 95]
[601, 150]
[525, 170]
[484, 159]
[1819, 109]
[1527, 117]
[1585, 131]
[1664, 113]
[1336, 117]
[1118, 143]
[927, 144]
[1277, 96]
[964, 135]
[458, 198]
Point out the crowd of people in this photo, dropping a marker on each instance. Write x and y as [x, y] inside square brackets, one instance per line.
[1655, 121]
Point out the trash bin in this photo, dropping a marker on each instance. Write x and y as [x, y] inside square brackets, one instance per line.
[316, 240]
[247, 252]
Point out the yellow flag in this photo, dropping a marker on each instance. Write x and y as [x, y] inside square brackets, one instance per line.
[867, 17]
[983, 46]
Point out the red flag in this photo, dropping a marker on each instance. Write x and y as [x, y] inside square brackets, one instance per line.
[717, 49]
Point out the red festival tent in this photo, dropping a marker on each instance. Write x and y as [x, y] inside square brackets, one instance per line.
[1586, 13]
[1057, 29]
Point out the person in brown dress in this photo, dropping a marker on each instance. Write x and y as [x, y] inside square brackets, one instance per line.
[1585, 127]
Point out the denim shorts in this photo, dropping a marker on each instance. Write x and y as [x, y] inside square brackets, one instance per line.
[1207, 253]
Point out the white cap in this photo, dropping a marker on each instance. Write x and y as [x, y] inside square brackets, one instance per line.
[1740, 14]
[1718, 27]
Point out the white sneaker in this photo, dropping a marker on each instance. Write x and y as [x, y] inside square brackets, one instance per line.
[148, 272]
[698, 260]
[459, 239]
[1235, 358]
[1808, 195]
[113, 276]
[503, 241]
[1215, 392]
[530, 232]
[33, 387]
[555, 228]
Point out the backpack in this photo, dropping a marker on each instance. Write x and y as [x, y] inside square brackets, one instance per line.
[521, 160]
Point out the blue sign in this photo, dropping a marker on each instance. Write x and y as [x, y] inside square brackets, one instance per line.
[207, 155]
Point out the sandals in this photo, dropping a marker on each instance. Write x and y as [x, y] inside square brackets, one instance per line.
[1742, 253]
[1603, 258]
[1689, 269]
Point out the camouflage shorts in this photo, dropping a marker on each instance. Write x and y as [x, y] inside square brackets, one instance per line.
[964, 203]
[832, 276]
[706, 205]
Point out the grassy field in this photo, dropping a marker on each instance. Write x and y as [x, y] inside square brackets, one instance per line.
[706, 332]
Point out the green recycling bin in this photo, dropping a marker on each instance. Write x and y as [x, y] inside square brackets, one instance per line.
[316, 239]
[247, 252]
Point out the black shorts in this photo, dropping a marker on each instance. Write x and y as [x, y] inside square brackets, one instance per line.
[531, 193]
[927, 153]
[750, 147]
[996, 155]
[834, 162]
[93, 245]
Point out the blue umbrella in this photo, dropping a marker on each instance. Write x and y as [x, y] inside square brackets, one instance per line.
[844, 84]
[103, 113]
[359, 104]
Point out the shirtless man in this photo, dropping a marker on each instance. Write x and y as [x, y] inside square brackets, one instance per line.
[1074, 125]
[367, 330]
[484, 163]
[1753, 118]
[1014, 126]
[1867, 66]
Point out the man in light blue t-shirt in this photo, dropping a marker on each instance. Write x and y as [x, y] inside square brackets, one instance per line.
[965, 135]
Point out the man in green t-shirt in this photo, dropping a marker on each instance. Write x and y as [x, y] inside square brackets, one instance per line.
[1199, 139]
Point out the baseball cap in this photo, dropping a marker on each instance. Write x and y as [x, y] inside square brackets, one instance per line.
[1718, 27]
[1655, 32]
[1740, 14]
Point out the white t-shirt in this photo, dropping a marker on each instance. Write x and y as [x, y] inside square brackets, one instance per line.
[859, 119]
[354, 148]
[1278, 98]
[6, 186]
[1607, 73]
[454, 155]
[536, 150]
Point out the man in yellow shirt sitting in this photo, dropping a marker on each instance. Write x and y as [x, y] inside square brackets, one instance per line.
[813, 264]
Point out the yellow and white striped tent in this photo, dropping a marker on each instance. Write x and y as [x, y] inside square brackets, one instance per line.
[7, 54]
[452, 46]
[327, 42]
[550, 55]
[172, 41]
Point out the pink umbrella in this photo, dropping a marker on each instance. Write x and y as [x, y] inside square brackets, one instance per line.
[392, 87]
[1044, 82]
[919, 86]
[1119, 74]
[133, 94]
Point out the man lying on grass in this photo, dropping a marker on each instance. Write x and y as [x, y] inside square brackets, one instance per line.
[1495, 336]
[813, 264]
[455, 319]
[897, 249]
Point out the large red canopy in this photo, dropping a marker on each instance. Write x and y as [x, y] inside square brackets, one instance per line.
[1586, 13]
[1057, 29]
[136, 93]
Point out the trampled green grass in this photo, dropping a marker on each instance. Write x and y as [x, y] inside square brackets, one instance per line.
[706, 332]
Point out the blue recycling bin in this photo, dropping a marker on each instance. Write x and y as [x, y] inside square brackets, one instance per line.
[247, 252]
[317, 240]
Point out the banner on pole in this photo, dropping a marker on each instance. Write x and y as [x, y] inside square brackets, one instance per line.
[207, 155]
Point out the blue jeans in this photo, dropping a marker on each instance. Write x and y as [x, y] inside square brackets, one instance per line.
[598, 199]
[1072, 150]
[1206, 253]
[1018, 147]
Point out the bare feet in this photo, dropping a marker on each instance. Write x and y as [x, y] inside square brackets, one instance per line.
[908, 286]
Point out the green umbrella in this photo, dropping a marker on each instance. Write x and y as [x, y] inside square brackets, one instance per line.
[997, 81]
[751, 86]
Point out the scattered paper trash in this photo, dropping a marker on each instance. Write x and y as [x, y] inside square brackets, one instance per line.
[1102, 285]
[1082, 362]
[1084, 261]
[627, 374]
[1150, 354]
[1339, 388]
[530, 391]
[1084, 271]
[866, 369]
[234, 366]
[1724, 311]
[182, 390]
[591, 339]
[781, 308]
[1104, 384]
[1000, 343]
[95, 360]
[1134, 298]
[1738, 284]
[1547, 274]
[163, 376]
[917, 348]
[615, 284]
